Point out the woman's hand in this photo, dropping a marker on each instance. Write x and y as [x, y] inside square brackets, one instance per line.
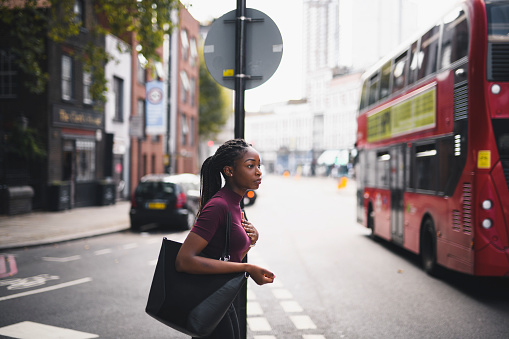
[251, 231]
[260, 275]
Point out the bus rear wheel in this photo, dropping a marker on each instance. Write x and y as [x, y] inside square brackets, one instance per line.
[429, 247]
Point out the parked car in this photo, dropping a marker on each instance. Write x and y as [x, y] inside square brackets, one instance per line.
[166, 200]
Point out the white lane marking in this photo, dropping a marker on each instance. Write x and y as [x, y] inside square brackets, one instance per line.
[153, 241]
[264, 337]
[258, 324]
[65, 259]
[31, 330]
[250, 295]
[254, 308]
[303, 322]
[47, 289]
[130, 246]
[104, 251]
[314, 336]
[152, 262]
[291, 306]
[277, 283]
[282, 293]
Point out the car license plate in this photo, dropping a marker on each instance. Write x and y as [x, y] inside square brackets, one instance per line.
[156, 205]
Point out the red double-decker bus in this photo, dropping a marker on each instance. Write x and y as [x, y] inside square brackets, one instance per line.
[433, 143]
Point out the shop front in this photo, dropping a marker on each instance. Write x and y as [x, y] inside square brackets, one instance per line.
[78, 149]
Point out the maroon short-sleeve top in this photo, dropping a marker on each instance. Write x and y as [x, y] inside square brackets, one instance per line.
[211, 225]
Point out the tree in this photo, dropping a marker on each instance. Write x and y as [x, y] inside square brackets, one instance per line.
[214, 102]
[31, 22]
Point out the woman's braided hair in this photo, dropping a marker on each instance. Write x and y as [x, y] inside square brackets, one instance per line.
[213, 167]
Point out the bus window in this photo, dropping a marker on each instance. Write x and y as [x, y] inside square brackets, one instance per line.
[425, 167]
[383, 169]
[498, 22]
[501, 129]
[385, 80]
[370, 169]
[449, 165]
[362, 104]
[455, 38]
[373, 88]
[498, 37]
[429, 52]
[412, 72]
[399, 73]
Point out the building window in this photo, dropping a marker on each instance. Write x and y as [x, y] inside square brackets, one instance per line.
[118, 91]
[144, 164]
[67, 78]
[79, 14]
[192, 92]
[193, 51]
[140, 111]
[87, 84]
[185, 44]
[85, 160]
[184, 89]
[185, 129]
[141, 74]
[8, 75]
[191, 131]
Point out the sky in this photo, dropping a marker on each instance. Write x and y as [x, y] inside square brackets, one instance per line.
[287, 82]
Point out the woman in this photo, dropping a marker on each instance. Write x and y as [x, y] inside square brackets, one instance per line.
[239, 164]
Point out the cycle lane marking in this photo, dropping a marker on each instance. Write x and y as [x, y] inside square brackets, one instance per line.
[22, 283]
[47, 289]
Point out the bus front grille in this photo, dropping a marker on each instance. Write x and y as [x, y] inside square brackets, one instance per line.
[498, 62]
[505, 166]
[467, 208]
[461, 101]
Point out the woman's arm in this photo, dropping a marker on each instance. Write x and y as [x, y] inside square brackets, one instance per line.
[189, 261]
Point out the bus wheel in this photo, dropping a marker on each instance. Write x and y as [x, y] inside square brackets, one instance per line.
[429, 247]
[371, 222]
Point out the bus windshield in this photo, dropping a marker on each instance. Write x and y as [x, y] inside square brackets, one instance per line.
[498, 22]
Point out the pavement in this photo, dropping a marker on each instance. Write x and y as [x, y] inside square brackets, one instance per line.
[44, 227]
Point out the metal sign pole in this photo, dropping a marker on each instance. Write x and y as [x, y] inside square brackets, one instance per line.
[240, 67]
[240, 114]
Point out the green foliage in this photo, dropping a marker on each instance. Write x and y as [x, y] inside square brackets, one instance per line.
[26, 30]
[215, 103]
[30, 25]
[23, 142]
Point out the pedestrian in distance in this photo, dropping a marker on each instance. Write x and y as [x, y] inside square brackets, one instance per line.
[239, 164]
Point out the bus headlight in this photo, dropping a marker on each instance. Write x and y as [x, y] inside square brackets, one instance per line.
[495, 89]
[487, 204]
[487, 223]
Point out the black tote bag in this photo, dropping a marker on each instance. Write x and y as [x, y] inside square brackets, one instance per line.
[190, 303]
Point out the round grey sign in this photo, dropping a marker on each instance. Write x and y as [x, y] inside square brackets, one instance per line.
[264, 49]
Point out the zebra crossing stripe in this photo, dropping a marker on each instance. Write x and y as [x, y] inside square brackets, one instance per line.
[32, 330]
[303, 322]
[259, 324]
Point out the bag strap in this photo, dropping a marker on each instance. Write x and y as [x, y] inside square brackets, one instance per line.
[226, 249]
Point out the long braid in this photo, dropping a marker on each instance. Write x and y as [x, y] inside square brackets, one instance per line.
[213, 166]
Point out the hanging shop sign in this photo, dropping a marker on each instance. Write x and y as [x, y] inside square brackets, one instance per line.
[70, 116]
